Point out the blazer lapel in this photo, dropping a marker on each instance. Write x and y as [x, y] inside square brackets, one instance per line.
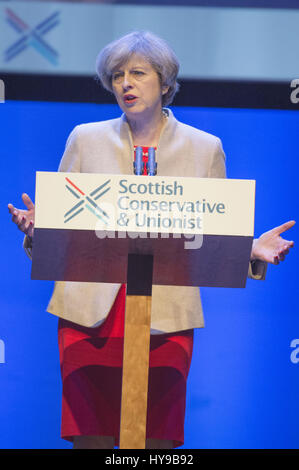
[125, 153]
[173, 149]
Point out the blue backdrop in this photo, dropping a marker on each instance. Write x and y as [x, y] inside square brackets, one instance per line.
[243, 386]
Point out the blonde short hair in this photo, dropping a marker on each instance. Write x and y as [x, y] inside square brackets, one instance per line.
[146, 44]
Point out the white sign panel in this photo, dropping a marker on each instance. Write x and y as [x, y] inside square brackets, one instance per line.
[84, 201]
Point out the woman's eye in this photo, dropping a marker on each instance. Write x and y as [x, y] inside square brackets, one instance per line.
[116, 76]
[138, 72]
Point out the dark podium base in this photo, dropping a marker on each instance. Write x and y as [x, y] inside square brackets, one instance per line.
[73, 255]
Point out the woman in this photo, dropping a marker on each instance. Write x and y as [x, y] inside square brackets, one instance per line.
[140, 70]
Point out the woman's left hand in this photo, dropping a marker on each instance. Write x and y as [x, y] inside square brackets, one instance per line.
[270, 246]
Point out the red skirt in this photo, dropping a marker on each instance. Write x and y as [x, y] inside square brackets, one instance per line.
[91, 370]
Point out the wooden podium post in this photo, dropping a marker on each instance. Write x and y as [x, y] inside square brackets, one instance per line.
[136, 352]
[68, 245]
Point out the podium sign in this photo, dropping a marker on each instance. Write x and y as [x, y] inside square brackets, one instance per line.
[202, 226]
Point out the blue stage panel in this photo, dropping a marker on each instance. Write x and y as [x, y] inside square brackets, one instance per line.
[243, 385]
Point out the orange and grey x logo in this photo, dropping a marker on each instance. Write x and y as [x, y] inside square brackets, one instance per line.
[87, 201]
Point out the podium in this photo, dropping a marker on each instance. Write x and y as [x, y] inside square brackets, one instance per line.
[141, 231]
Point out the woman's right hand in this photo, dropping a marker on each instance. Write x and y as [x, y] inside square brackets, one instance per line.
[24, 219]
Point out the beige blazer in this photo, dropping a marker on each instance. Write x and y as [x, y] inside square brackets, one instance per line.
[107, 147]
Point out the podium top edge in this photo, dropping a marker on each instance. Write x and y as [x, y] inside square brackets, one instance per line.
[117, 175]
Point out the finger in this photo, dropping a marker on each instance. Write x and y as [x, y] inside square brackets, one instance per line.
[31, 229]
[281, 257]
[27, 201]
[287, 245]
[24, 229]
[11, 208]
[16, 217]
[276, 260]
[284, 249]
[23, 224]
[286, 226]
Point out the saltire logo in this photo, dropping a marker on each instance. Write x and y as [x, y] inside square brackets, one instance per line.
[31, 37]
[87, 201]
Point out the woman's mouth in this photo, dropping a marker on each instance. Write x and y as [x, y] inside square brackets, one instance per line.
[130, 99]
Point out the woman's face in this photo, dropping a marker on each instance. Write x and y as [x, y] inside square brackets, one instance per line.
[136, 86]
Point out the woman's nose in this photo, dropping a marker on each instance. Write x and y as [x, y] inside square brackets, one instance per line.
[126, 82]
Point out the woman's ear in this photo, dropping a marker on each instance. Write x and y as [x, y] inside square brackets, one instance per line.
[165, 89]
